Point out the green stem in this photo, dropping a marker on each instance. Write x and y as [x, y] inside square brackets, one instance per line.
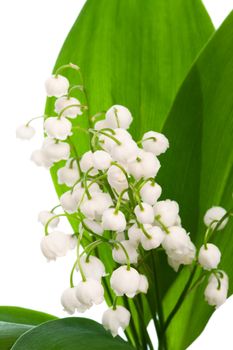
[161, 338]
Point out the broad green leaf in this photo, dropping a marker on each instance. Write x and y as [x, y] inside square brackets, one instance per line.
[14, 321]
[70, 333]
[135, 53]
[203, 111]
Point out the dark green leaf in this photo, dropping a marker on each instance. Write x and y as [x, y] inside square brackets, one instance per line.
[203, 111]
[70, 333]
[15, 321]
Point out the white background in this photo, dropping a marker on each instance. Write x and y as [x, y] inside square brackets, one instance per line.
[32, 35]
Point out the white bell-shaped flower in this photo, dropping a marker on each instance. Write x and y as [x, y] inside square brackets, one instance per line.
[167, 212]
[58, 128]
[155, 142]
[145, 165]
[209, 257]
[70, 302]
[94, 226]
[25, 132]
[119, 117]
[90, 292]
[213, 215]
[56, 85]
[93, 267]
[215, 296]
[65, 101]
[179, 246]
[68, 174]
[135, 234]
[145, 215]
[156, 238]
[79, 190]
[219, 277]
[57, 244]
[119, 255]
[101, 160]
[40, 158]
[68, 202]
[117, 179]
[56, 150]
[101, 124]
[107, 143]
[113, 319]
[94, 208]
[124, 281]
[114, 221]
[45, 215]
[175, 264]
[150, 192]
[87, 162]
[143, 284]
[126, 151]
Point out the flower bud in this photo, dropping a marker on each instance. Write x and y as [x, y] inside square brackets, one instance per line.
[155, 142]
[63, 102]
[101, 160]
[119, 255]
[144, 165]
[113, 319]
[124, 281]
[150, 192]
[167, 212]
[70, 302]
[57, 244]
[45, 215]
[58, 128]
[118, 117]
[25, 132]
[213, 215]
[90, 292]
[56, 86]
[93, 267]
[209, 257]
[157, 237]
[113, 221]
[145, 215]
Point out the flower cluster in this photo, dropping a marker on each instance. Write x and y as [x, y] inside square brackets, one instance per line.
[113, 195]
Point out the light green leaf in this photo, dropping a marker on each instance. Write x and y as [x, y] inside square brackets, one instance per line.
[14, 321]
[203, 111]
[70, 333]
[135, 53]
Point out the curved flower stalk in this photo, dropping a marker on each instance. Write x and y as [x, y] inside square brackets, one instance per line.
[115, 199]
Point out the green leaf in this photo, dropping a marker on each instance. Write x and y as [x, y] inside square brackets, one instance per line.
[14, 321]
[70, 333]
[135, 53]
[203, 111]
